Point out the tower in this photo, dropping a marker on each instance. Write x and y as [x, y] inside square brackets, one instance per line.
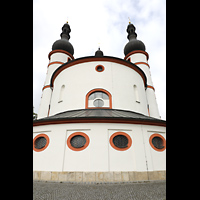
[98, 117]
[62, 52]
[135, 52]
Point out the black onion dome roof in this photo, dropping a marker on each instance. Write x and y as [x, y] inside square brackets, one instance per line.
[64, 43]
[133, 43]
[99, 53]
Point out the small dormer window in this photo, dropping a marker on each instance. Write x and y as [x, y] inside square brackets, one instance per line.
[98, 99]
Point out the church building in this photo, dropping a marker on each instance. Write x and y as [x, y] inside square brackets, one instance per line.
[98, 119]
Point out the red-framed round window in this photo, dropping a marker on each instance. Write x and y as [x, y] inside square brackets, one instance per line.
[78, 141]
[99, 68]
[40, 142]
[120, 141]
[157, 142]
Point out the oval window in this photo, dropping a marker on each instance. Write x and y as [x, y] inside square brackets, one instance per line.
[78, 141]
[99, 68]
[40, 142]
[157, 142]
[120, 141]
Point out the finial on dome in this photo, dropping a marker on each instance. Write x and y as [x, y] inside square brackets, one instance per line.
[129, 20]
[99, 53]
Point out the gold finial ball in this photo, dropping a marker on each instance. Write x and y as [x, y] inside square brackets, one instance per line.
[129, 20]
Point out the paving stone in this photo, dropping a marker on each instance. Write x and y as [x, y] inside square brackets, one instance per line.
[155, 190]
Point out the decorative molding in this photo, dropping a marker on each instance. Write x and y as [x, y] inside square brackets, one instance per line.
[137, 51]
[46, 86]
[56, 62]
[60, 51]
[98, 120]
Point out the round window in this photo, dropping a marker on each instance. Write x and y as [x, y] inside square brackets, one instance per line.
[120, 141]
[99, 68]
[157, 142]
[40, 142]
[98, 103]
[78, 141]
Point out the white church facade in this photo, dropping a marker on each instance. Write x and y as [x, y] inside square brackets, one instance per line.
[98, 119]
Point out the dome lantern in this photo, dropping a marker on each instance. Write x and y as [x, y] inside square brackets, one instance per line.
[133, 43]
[63, 43]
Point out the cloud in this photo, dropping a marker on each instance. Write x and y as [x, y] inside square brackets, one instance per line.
[99, 21]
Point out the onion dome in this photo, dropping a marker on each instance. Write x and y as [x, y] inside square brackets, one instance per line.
[64, 43]
[133, 43]
[99, 53]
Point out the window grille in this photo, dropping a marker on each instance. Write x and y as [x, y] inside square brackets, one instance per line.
[120, 141]
[40, 142]
[78, 141]
[157, 142]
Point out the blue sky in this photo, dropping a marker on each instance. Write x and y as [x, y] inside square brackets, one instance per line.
[103, 22]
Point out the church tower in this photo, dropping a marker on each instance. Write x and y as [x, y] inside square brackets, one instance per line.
[135, 52]
[62, 52]
[98, 119]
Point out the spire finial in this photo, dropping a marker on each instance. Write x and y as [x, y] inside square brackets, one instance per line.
[129, 20]
[131, 31]
[65, 31]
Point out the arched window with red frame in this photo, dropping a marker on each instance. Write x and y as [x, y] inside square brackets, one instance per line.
[98, 98]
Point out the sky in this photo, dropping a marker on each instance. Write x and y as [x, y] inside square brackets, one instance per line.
[101, 23]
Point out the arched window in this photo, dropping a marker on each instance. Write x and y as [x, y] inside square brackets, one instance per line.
[136, 94]
[61, 94]
[98, 98]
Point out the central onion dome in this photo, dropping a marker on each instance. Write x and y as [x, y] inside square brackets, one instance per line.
[133, 43]
[99, 53]
[63, 43]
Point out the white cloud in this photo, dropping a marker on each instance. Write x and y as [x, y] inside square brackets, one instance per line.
[100, 21]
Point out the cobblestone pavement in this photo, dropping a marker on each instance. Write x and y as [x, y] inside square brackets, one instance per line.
[155, 190]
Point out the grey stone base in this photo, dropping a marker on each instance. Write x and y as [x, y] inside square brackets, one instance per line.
[99, 177]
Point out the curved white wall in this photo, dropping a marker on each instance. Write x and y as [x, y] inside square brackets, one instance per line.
[99, 155]
[117, 79]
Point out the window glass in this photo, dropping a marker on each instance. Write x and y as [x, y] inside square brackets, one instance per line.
[92, 96]
[78, 141]
[40, 142]
[158, 142]
[105, 96]
[98, 95]
[101, 95]
[120, 141]
[98, 103]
